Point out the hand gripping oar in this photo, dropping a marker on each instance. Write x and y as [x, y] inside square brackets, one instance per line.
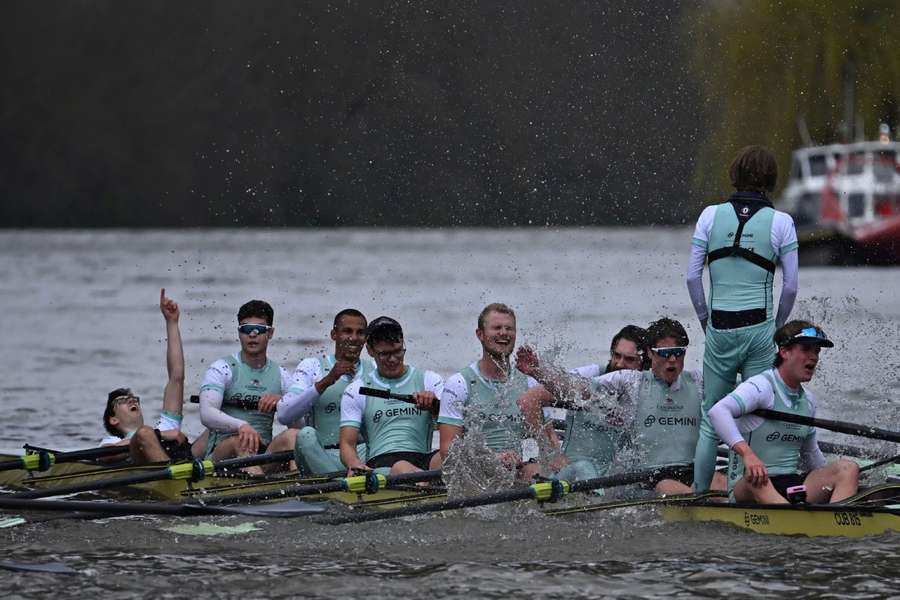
[367, 483]
[281, 509]
[44, 459]
[194, 471]
[545, 491]
[839, 426]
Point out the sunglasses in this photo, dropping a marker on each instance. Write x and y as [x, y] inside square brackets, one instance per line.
[398, 353]
[249, 328]
[119, 401]
[671, 351]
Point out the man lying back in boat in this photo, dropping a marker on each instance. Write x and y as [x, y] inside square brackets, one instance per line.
[590, 442]
[658, 410]
[398, 433]
[766, 454]
[240, 392]
[315, 393]
[487, 391]
[124, 420]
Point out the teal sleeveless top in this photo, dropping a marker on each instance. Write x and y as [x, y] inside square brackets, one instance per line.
[495, 406]
[741, 275]
[776, 443]
[325, 415]
[667, 421]
[394, 425]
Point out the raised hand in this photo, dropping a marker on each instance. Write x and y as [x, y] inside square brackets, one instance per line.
[168, 307]
[527, 360]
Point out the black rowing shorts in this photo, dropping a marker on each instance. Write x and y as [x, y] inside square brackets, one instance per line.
[419, 459]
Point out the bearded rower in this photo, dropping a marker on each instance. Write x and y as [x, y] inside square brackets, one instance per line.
[658, 410]
[124, 420]
[486, 393]
[315, 393]
[589, 443]
[743, 240]
[766, 454]
[240, 392]
[398, 433]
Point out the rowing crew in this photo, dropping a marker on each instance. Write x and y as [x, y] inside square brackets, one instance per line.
[334, 424]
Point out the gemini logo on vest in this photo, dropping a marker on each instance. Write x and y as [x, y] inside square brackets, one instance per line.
[784, 437]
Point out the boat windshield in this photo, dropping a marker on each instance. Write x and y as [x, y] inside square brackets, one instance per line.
[818, 165]
[856, 163]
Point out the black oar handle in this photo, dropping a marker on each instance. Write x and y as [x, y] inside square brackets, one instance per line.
[409, 398]
[251, 404]
[388, 394]
[838, 426]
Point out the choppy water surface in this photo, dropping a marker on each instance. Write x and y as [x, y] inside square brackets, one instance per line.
[82, 319]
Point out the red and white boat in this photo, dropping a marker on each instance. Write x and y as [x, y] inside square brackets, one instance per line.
[845, 200]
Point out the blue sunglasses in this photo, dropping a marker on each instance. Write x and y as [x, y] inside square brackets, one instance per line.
[249, 328]
[670, 351]
[813, 335]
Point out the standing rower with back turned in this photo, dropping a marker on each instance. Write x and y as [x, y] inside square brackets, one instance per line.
[316, 389]
[743, 240]
[766, 453]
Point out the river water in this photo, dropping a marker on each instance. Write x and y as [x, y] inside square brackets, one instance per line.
[81, 309]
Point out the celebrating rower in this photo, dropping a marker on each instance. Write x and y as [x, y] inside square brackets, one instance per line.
[589, 442]
[743, 239]
[659, 409]
[124, 420]
[766, 454]
[398, 433]
[316, 390]
[486, 393]
[240, 392]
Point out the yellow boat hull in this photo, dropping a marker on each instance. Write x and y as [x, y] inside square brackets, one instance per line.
[808, 521]
[873, 511]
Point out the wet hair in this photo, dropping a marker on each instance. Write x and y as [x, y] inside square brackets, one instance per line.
[257, 308]
[497, 307]
[110, 407]
[754, 169]
[785, 334]
[383, 329]
[664, 328]
[637, 335]
[347, 312]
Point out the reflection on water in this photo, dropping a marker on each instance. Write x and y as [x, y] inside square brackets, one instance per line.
[87, 305]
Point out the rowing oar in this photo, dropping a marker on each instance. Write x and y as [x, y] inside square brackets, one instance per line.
[194, 471]
[839, 426]
[44, 459]
[545, 491]
[387, 394]
[367, 483]
[281, 509]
